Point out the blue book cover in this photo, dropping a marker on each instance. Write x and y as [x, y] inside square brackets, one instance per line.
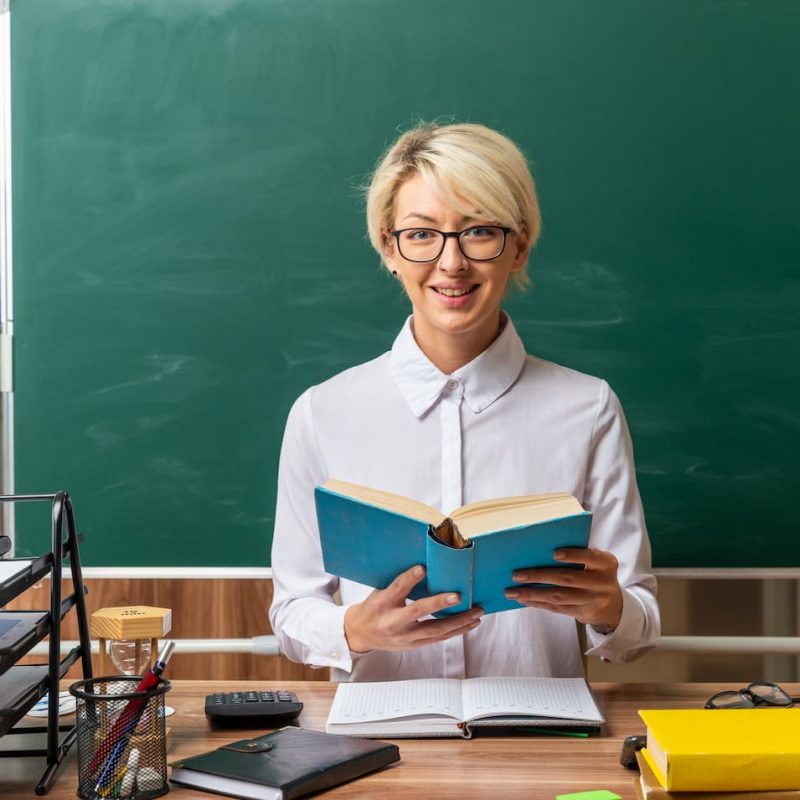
[370, 537]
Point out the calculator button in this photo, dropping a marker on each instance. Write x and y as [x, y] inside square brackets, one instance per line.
[267, 697]
[236, 697]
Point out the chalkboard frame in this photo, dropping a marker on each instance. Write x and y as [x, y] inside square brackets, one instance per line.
[558, 270]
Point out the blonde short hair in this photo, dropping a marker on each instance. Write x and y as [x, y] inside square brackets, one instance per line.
[460, 163]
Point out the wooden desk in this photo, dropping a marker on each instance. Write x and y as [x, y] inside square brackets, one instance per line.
[504, 768]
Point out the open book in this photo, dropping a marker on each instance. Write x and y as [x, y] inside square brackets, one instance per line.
[371, 536]
[449, 707]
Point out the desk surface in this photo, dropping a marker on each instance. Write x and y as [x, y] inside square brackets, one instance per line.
[495, 767]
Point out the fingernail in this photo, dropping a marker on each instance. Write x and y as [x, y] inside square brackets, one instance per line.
[453, 599]
[512, 593]
[520, 576]
[418, 572]
[559, 554]
[477, 614]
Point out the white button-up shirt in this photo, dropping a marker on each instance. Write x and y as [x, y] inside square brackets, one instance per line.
[505, 424]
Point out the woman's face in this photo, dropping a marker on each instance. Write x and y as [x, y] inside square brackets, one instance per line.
[451, 296]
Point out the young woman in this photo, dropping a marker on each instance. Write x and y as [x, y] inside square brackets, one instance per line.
[458, 412]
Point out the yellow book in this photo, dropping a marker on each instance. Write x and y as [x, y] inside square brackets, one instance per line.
[648, 788]
[711, 750]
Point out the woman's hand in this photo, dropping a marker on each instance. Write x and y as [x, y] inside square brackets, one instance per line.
[592, 595]
[385, 622]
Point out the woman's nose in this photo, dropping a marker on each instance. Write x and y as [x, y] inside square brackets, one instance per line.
[452, 259]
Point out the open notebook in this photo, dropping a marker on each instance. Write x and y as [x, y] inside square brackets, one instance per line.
[451, 707]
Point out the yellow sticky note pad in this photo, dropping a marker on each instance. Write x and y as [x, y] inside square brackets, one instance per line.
[597, 794]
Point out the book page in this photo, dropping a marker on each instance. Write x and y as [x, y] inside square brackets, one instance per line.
[388, 500]
[512, 512]
[369, 702]
[560, 698]
[516, 501]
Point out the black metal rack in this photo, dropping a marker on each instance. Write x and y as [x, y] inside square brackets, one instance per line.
[21, 686]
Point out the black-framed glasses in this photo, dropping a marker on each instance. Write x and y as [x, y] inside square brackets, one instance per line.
[755, 695]
[477, 243]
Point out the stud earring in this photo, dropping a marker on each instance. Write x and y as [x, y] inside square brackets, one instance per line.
[394, 272]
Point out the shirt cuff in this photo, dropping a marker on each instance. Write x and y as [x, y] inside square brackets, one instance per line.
[625, 639]
[324, 626]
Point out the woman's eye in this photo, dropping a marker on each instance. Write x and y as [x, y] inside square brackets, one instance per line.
[479, 232]
[419, 235]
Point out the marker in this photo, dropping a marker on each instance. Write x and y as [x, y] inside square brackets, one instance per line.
[149, 779]
[131, 768]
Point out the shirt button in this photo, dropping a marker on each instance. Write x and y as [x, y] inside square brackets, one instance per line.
[452, 384]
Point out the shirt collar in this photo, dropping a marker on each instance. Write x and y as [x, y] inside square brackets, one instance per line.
[484, 379]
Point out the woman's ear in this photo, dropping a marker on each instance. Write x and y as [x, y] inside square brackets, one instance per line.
[521, 251]
[389, 252]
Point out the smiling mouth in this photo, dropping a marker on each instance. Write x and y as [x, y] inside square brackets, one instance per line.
[455, 292]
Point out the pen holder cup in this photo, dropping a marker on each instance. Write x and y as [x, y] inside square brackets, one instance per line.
[122, 742]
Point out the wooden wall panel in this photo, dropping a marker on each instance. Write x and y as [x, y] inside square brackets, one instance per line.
[201, 609]
[237, 608]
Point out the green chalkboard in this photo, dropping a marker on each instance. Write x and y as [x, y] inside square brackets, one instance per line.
[189, 248]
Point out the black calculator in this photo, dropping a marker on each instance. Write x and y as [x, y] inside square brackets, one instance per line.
[259, 708]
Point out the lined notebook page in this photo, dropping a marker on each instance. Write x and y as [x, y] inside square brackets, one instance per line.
[564, 698]
[367, 702]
